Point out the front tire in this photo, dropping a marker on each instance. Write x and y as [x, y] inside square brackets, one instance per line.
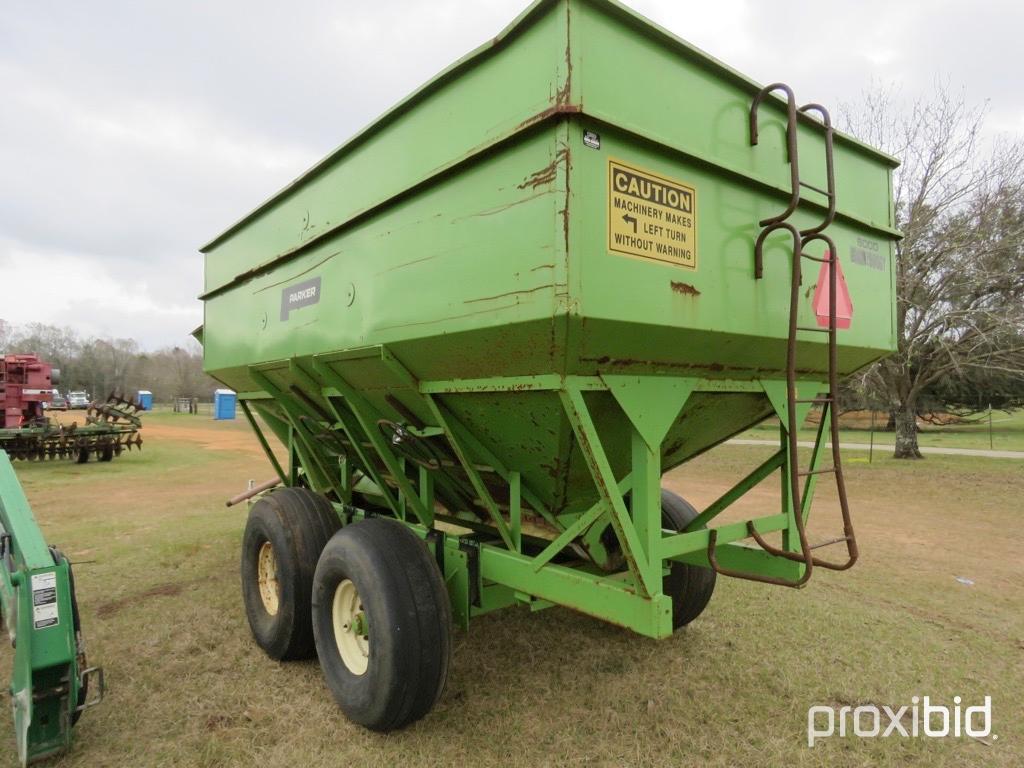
[284, 535]
[382, 624]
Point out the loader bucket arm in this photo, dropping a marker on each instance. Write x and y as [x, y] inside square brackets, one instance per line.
[48, 682]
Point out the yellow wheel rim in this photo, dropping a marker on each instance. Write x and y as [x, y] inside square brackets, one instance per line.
[266, 574]
[351, 632]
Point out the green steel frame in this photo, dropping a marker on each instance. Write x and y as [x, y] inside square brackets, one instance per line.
[331, 431]
[48, 670]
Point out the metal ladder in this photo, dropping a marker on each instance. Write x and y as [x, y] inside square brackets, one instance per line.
[801, 238]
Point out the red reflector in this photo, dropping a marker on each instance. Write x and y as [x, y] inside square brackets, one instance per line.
[844, 305]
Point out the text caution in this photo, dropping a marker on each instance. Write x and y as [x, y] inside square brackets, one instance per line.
[651, 216]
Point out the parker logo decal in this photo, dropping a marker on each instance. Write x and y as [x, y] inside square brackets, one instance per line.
[299, 295]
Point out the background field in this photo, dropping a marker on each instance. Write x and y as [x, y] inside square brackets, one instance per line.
[159, 587]
[1007, 432]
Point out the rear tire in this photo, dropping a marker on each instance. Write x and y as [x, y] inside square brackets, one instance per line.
[381, 574]
[689, 586]
[284, 535]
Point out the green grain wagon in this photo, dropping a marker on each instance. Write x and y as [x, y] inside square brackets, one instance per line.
[486, 325]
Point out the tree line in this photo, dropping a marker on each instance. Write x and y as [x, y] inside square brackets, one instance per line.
[959, 202]
[101, 366]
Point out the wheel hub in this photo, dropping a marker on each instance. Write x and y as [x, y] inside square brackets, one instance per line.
[266, 575]
[351, 631]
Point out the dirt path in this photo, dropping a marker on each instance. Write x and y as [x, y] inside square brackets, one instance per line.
[889, 446]
[229, 439]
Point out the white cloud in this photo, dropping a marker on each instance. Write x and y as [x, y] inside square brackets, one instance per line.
[132, 133]
[81, 292]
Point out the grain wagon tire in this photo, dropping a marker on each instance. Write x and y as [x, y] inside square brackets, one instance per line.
[83, 456]
[689, 586]
[284, 535]
[382, 621]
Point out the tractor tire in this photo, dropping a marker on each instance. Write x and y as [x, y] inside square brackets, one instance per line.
[284, 535]
[382, 622]
[689, 586]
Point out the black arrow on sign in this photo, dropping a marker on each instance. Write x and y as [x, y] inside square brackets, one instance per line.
[629, 220]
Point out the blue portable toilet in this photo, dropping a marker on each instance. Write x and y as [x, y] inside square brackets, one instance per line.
[145, 399]
[224, 402]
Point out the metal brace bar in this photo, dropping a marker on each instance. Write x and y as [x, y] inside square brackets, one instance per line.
[371, 470]
[263, 441]
[590, 444]
[577, 527]
[515, 509]
[474, 476]
[484, 453]
[730, 497]
[310, 458]
[361, 409]
[583, 522]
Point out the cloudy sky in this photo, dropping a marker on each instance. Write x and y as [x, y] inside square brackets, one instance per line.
[131, 133]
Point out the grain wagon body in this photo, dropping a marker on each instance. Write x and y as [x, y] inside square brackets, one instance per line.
[484, 327]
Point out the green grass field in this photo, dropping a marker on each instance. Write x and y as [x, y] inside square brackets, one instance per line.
[158, 582]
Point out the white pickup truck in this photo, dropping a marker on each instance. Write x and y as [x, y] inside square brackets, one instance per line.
[78, 400]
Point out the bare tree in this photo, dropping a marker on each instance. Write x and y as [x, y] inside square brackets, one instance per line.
[959, 201]
[101, 366]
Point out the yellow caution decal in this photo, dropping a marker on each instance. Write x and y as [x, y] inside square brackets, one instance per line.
[651, 216]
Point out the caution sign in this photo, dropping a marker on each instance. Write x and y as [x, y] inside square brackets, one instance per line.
[651, 216]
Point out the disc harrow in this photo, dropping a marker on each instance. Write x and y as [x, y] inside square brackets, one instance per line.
[111, 427]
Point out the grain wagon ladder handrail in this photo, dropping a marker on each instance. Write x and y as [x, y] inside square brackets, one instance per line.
[798, 500]
[829, 402]
[830, 175]
[792, 154]
[805, 555]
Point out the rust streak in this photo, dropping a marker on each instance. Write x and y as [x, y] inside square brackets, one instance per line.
[510, 293]
[684, 289]
[568, 197]
[407, 264]
[450, 317]
[548, 173]
[556, 109]
[296, 276]
[563, 95]
[501, 208]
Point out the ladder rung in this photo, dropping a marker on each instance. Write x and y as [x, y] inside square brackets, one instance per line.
[824, 471]
[829, 543]
[819, 190]
[808, 328]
